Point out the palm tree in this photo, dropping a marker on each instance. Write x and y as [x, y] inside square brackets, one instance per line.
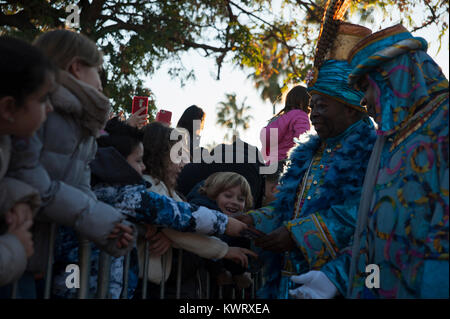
[269, 89]
[268, 76]
[232, 116]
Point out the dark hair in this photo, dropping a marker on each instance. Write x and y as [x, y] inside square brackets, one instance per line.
[23, 68]
[192, 113]
[297, 98]
[157, 145]
[123, 137]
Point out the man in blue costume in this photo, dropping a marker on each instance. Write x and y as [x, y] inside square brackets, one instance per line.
[314, 215]
[403, 225]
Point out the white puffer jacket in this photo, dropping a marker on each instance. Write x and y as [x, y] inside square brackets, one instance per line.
[13, 259]
[56, 162]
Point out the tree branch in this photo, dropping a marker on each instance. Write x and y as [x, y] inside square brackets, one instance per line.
[431, 19]
[90, 15]
[19, 20]
[310, 11]
[282, 40]
[194, 45]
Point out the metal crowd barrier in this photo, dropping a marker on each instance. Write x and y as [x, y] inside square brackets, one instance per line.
[104, 274]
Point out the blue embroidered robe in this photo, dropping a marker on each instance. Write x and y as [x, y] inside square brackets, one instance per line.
[406, 234]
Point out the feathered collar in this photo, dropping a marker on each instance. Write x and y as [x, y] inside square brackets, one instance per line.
[345, 172]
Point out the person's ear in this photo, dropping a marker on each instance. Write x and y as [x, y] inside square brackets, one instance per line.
[75, 68]
[8, 108]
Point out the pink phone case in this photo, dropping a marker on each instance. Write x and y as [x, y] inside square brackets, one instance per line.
[164, 116]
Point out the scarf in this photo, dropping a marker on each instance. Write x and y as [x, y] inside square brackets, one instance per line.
[90, 107]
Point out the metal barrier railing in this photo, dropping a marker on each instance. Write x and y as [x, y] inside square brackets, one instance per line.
[179, 273]
[84, 254]
[104, 266]
[126, 269]
[103, 279]
[49, 268]
[145, 282]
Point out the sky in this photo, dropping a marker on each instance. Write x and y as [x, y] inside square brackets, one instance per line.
[206, 92]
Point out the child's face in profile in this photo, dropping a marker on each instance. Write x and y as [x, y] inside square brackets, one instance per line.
[33, 113]
[87, 74]
[135, 159]
[231, 201]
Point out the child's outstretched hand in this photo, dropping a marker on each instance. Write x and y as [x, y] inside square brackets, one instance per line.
[239, 255]
[21, 231]
[234, 227]
[124, 235]
[159, 243]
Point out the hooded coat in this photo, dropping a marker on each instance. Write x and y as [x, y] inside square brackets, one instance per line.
[13, 259]
[56, 162]
[403, 220]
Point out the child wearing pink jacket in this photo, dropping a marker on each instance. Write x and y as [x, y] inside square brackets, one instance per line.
[290, 122]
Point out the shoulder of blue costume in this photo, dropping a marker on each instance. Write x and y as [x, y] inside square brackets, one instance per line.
[346, 172]
[362, 136]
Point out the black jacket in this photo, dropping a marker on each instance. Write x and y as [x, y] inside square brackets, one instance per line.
[109, 166]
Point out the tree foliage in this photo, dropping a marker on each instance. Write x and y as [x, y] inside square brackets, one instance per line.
[273, 42]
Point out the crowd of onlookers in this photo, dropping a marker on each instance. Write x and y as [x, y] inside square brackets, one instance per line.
[67, 160]
[368, 186]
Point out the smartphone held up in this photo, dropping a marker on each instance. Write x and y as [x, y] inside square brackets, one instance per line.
[139, 102]
[164, 116]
